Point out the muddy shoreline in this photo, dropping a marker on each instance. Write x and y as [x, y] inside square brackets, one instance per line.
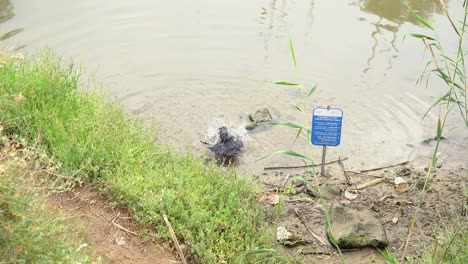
[444, 203]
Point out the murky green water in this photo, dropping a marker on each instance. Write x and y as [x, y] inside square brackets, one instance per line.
[193, 65]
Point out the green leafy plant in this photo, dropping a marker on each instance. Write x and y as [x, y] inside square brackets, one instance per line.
[289, 190]
[451, 70]
[450, 245]
[387, 254]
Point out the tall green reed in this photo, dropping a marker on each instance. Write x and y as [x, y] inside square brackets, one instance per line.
[303, 129]
[450, 68]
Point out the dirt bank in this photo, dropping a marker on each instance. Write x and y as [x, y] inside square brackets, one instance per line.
[109, 230]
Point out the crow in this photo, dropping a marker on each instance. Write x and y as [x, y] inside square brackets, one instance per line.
[227, 146]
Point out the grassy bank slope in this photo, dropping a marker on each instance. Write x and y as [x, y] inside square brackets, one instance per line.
[29, 232]
[92, 139]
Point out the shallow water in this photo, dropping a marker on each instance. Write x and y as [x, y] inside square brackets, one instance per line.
[196, 65]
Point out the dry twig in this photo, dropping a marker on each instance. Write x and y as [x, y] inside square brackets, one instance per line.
[368, 184]
[119, 226]
[320, 239]
[303, 166]
[386, 167]
[174, 238]
[123, 228]
[348, 179]
[363, 174]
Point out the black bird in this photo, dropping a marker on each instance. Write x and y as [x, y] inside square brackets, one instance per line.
[227, 146]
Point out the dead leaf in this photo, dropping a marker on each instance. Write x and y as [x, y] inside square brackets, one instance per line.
[19, 56]
[270, 198]
[350, 195]
[19, 97]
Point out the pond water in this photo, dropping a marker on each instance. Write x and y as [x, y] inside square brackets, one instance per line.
[195, 65]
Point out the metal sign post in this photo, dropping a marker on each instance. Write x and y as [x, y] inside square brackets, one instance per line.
[324, 152]
[326, 129]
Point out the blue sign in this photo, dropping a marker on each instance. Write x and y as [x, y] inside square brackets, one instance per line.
[326, 126]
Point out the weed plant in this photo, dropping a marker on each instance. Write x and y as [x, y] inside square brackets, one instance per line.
[91, 138]
[449, 246]
[450, 68]
[29, 232]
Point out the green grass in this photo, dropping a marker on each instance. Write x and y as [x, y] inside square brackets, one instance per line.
[92, 139]
[29, 232]
[450, 246]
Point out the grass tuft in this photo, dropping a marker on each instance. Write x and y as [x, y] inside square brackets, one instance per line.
[449, 247]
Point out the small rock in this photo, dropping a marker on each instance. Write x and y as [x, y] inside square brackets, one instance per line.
[251, 126]
[395, 220]
[420, 185]
[260, 116]
[120, 241]
[326, 192]
[333, 189]
[357, 228]
[402, 171]
[282, 234]
[350, 195]
[287, 239]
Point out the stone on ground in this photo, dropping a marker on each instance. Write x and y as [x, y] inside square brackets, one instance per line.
[260, 116]
[357, 228]
[402, 171]
[287, 238]
[326, 192]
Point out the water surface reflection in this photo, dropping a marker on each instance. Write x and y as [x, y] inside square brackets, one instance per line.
[391, 15]
[187, 64]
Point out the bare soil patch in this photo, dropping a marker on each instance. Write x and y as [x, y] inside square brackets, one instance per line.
[111, 233]
[445, 202]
